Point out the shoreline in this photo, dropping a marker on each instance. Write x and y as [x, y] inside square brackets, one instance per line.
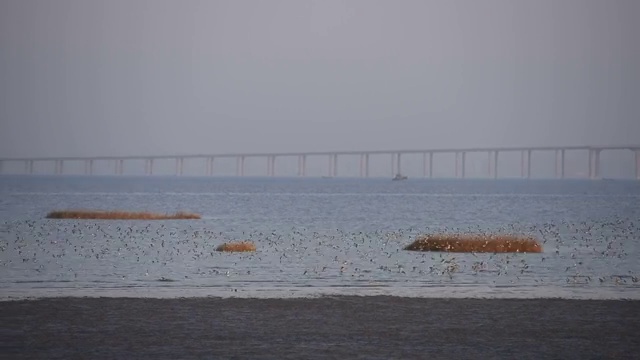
[300, 292]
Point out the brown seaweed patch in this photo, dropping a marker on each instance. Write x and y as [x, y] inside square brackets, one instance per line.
[237, 246]
[475, 243]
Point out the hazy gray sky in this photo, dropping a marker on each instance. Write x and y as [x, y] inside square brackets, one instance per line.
[116, 77]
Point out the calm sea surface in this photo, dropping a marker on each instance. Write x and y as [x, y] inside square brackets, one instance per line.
[317, 236]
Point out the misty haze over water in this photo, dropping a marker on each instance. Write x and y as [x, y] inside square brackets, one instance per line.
[90, 78]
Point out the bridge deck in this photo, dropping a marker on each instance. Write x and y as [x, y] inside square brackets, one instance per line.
[328, 153]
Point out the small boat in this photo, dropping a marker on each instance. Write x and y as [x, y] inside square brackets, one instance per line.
[399, 177]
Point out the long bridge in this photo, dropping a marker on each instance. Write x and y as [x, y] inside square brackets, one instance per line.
[333, 157]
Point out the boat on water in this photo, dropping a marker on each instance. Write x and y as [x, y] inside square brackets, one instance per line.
[399, 177]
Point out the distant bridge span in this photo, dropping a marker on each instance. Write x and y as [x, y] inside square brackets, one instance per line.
[396, 160]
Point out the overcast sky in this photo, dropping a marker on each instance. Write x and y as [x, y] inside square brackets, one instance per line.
[125, 77]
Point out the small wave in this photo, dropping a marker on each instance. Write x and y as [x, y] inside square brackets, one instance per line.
[39, 281]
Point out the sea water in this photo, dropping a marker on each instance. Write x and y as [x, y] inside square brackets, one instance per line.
[316, 237]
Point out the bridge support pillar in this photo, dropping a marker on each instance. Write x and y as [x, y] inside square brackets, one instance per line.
[590, 167]
[28, 167]
[464, 160]
[637, 164]
[457, 165]
[209, 166]
[335, 165]
[240, 166]
[495, 164]
[428, 165]
[529, 163]
[271, 165]
[560, 156]
[179, 166]
[489, 164]
[393, 165]
[302, 165]
[399, 162]
[148, 166]
[525, 164]
[562, 161]
[594, 164]
[366, 165]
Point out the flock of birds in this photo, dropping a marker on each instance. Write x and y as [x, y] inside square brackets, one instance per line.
[113, 252]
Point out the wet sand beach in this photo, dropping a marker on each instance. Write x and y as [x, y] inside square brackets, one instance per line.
[328, 327]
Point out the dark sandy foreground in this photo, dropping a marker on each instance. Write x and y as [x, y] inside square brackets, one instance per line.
[333, 327]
